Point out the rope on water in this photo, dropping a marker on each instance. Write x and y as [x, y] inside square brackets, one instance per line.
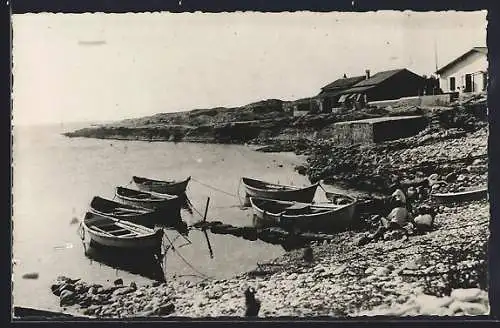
[215, 188]
[186, 261]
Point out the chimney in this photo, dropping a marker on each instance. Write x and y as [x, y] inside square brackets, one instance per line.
[367, 74]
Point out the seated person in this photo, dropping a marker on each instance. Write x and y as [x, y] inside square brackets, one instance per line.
[397, 219]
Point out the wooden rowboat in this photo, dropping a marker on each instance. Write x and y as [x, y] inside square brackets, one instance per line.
[112, 232]
[171, 187]
[109, 208]
[463, 196]
[149, 200]
[261, 189]
[326, 217]
[29, 313]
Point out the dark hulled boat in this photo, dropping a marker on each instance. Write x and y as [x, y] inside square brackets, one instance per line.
[172, 187]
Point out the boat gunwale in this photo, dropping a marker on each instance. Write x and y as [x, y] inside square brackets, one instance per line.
[158, 199]
[460, 193]
[161, 182]
[292, 188]
[139, 210]
[327, 210]
[148, 233]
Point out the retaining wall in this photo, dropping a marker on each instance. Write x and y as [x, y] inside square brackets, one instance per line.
[377, 129]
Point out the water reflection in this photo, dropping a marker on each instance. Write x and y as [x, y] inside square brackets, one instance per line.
[155, 266]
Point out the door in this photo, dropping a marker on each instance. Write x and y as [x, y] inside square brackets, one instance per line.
[452, 83]
[468, 83]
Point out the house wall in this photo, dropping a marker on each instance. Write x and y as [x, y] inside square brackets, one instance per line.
[474, 64]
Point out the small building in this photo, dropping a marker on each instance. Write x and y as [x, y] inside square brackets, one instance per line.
[380, 129]
[467, 73]
[302, 106]
[330, 93]
[385, 85]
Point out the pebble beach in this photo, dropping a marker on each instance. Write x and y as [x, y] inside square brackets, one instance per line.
[440, 272]
[427, 274]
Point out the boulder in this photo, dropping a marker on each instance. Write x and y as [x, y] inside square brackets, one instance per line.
[424, 221]
[450, 177]
[166, 309]
[469, 308]
[118, 282]
[67, 298]
[66, 286]
[429, 301]
[123, 291]
[467, 295]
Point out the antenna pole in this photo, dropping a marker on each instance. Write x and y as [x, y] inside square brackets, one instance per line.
[435, 55]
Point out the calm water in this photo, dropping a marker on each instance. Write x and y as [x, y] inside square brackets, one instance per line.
[56, 177]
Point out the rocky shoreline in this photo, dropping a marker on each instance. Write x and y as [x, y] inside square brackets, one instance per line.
[440, 272]
[395, 275]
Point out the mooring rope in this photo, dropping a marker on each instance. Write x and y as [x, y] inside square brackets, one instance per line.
[186, 261]
[215, 188]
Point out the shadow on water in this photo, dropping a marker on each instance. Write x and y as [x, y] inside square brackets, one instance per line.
[141, 262]
[150, 265]
[138, 262]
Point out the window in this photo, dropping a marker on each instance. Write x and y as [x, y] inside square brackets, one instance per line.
[468, 83]
[452, 83]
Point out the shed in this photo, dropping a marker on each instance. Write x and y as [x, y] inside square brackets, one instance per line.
[378, 129]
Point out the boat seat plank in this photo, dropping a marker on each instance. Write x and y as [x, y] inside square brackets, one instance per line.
[117, 230]
[298, 207]
[130, 234]
[101, 230]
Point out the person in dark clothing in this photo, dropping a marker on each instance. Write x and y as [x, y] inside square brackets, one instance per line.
[252, 304]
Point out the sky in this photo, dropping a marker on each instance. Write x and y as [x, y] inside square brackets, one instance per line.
[101, 67]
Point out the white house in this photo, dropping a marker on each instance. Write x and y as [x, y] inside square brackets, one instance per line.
[468, 73]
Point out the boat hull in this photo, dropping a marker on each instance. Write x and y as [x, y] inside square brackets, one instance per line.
[286, 193]
[464, 196]
[105, 208]
[162, 187]
[132, 236]
[167, 207]
[143, 242]
[330, 218]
